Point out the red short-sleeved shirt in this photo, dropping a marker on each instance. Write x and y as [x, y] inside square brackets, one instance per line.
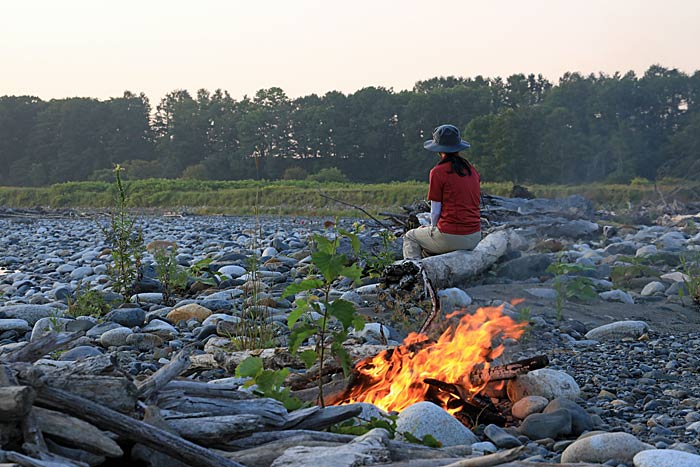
[460, 198]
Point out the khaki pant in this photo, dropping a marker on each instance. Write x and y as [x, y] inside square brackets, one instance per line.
[426, 241]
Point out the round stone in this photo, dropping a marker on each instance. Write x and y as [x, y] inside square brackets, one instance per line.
[426, 418]
[619, 447]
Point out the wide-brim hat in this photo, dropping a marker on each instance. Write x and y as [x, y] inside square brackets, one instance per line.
[446, 138]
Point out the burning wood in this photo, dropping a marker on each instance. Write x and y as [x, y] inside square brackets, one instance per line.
[396, 378]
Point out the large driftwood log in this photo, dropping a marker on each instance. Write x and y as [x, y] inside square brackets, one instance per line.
[117, 393]
[75, 454]
[264, 456]
[131, 429]
[76, 432]
[15, 402]
[454, 268]
[212, 431]
[271, 410]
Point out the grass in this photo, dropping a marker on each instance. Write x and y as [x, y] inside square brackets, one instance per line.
[296, 197]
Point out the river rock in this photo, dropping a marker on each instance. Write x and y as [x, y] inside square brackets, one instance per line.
[501, 437]
[666, 458]
[646, 251]
[97, 331]
[529, 405]
[29, 313]
[618, 330]
[576, 229]
[161, 328]
[81, 273]
[453, 299]
[148, 297]
[48, 325]
[581, 421]
[653, 288]
[543, 292]
[143, 341]
[188, 312]
[616, 296]
[80, 353]
[525, 267]
[426, 418]
[605, 447]
[115, 337]
[675, 277]
[18, 325]
[545, 382]
[546, 425]
[129, 317]
[232, 271]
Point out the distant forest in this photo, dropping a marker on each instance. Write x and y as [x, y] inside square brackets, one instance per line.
[522, 129]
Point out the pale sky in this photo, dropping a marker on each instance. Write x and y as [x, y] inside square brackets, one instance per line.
[99, 48]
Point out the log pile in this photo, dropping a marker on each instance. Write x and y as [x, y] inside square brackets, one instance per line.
[84, 413]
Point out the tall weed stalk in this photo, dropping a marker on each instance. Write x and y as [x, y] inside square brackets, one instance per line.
[126, 241]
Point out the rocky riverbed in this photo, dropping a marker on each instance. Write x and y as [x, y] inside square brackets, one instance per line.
[634, 384]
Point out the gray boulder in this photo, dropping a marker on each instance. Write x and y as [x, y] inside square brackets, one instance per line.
[426, 418]
[546, 425]
[604, 447]
[524, 267]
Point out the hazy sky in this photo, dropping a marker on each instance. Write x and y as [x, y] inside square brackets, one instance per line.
[98, 48]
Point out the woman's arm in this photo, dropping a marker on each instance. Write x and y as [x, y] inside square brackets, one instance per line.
[435, 209]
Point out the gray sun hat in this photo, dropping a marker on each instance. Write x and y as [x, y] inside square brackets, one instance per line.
[446, 138]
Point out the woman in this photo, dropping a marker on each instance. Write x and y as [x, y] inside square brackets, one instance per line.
[454, 194]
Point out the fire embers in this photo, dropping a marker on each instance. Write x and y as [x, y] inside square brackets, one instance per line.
[461, 356]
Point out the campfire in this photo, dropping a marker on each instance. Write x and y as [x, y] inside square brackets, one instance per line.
[451, 371]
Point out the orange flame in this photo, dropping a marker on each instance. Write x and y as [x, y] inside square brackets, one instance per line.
[394, 379]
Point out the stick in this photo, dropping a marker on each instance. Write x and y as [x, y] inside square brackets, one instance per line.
[490, 459]
[132, 429]
[42, 346]
[165, 374]
[358, 208]
[433, 298]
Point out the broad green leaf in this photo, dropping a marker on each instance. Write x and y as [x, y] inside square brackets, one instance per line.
[339, 352]
[251, 367]
[354, 240]
[295, 314]
[358, 324]
[299, 335]
[343, 310]
[309, 357]
[324, 245]
[306, 284]
[353, 272]
[330, 265]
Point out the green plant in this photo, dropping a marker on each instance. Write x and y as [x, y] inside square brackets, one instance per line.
[622, 275]
[352, 427]
[377, 261]
[201, 272]
[387, 422]
[332, 266]
[268, 383]
[255, 329]
[171, 277]
[126, 240]
[577, 287]
[89, 303]
[691, 268]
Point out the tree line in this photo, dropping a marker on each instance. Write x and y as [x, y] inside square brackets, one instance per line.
[522, 129]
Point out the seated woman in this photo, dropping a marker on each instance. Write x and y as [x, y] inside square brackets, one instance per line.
[454, 194]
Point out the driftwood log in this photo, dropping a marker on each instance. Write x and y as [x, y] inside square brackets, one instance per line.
[452, 269]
